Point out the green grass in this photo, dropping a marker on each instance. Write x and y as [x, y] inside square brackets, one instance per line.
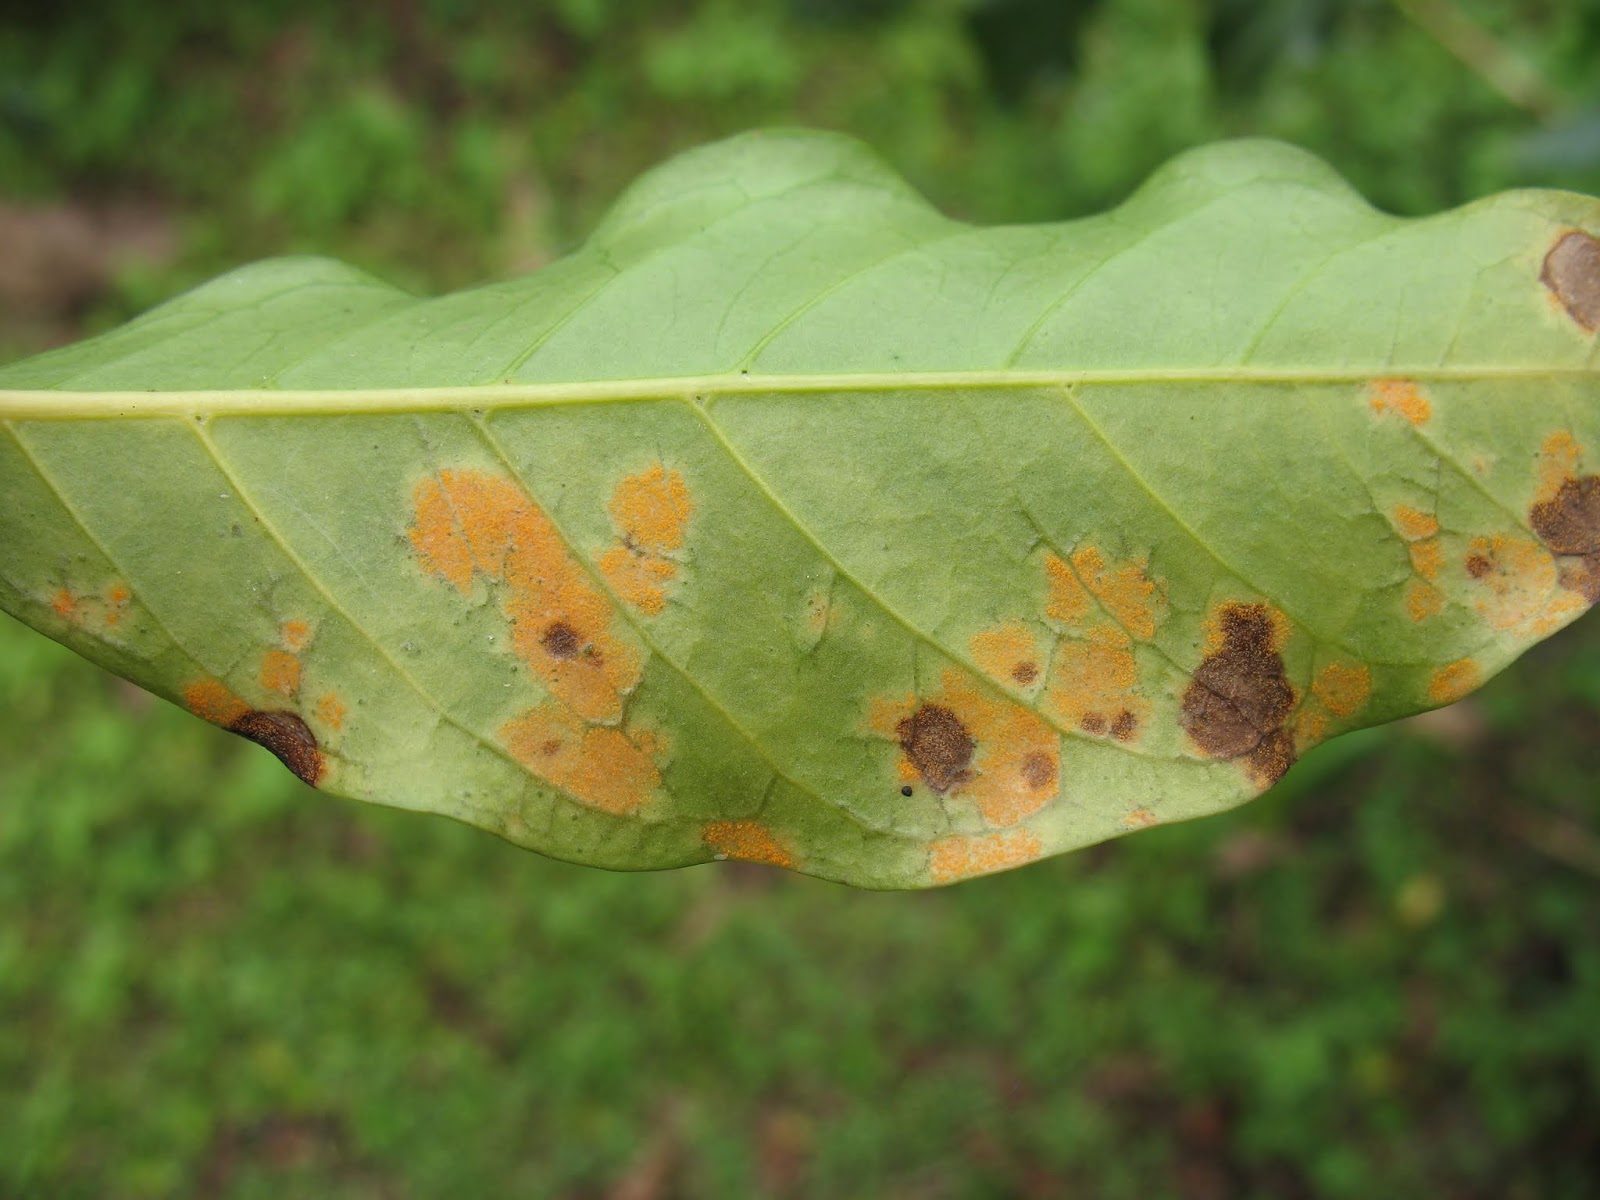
[1380, 980]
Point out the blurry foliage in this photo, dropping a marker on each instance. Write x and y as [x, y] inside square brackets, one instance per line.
[1379, 981]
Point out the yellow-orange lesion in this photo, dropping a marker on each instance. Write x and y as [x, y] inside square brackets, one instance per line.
[651, 511]
[468, 524]
[962, 741]
[748, 841]
[954, 858]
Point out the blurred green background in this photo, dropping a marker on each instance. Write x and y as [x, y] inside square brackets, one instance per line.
[1381, 980]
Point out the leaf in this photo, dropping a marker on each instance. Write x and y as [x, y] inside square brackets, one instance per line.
[788, 520]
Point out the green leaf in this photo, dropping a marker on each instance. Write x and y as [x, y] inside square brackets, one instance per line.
[789, 520]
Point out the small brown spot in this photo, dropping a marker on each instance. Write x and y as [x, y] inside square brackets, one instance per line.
[1038, 771]
[1025, 673]
[1569, 524]
[287, 736]
[561, 640]
[551, 748]
[1093, 723]
[1478, 566]
[1239, 698]
[1125, 726]
[1572, 273]
[938, 745]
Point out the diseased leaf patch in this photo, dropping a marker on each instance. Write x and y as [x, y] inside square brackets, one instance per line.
[789, 522]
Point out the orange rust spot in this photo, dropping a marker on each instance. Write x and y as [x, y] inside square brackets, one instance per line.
[1413, 524]
[118, 594]
[296, 635]
[1559, 461]
[1343, 688]
[750, 841]
[1400, 396]
[1514, 580]
[331, 711]
[1126, 593]
[1571, 272]
[1451, 683]
[638, 578]
[1008, 653]
[963, 742]
[1423, 600]
[954, 858]
[1310, 727]
[650, 510]
[1095, 679]
[280, 672]
[1069, 601]
[604, 767]
[64, 604]
[468, 523]
[210, 701]
[1427, 558]
[1140, 818]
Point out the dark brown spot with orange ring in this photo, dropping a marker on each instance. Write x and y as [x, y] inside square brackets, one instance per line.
[1572, 273]
[1025, 673]
[287, 736]
[1569, 524]
[1478, 566]
[1092, 723]
[1125, 726]
[938, 745]
[1237, 702]
[1038, 772]
[561, 640]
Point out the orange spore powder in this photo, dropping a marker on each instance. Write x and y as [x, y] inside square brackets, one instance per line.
[1423, 600]
[954, 858]
[1008, 653]
[1016, 760]
[1140, 818]
[1126, 592]
[1400, 396]
[638, 578]
[468, 523]
[603, 767]
[280, 672]
[651, 511]
[331, 711]
[1519, 587]
[1096, 677]
[1413, 524]
[1451, 683]
[1427, 558]
[1343, 688]
[210, 701]
[1559, 460]
[1069, 600]
[64, 604]
[750, 841]
[296, 635]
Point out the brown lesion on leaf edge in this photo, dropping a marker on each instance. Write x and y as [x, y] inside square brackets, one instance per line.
[1568, 522]
[288, 737]
[1571, 272]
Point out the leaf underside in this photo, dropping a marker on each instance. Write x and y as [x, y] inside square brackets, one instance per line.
[790, 521]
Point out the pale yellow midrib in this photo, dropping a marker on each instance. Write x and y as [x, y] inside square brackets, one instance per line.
[52, 404]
